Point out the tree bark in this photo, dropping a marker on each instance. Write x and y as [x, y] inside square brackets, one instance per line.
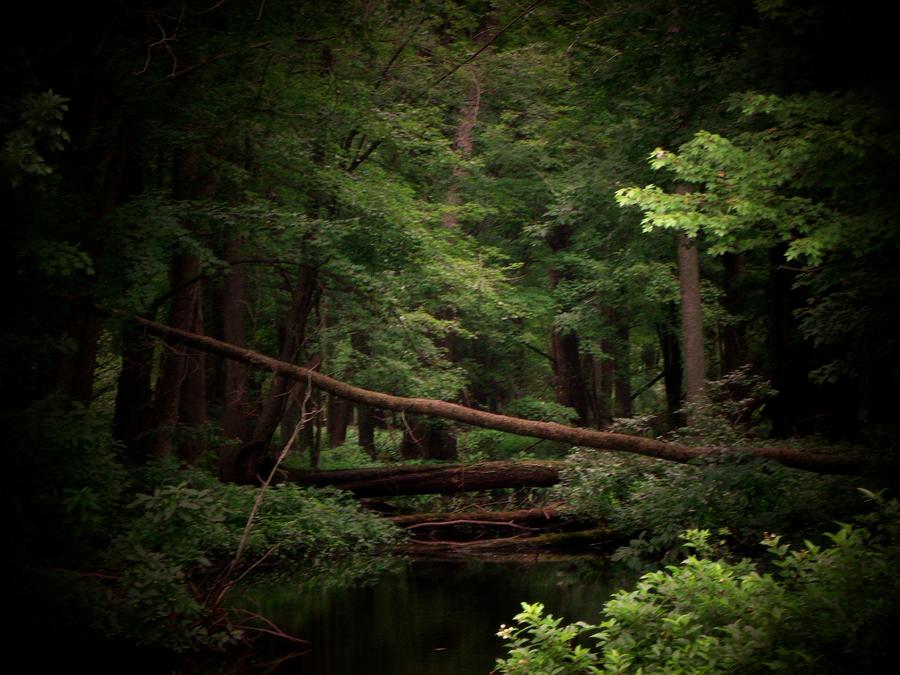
[133, 416]
[691, 320]
[235, 422]
[623, 369]
[192, 399]
[302, 303]
[822, 463]
[365, 426]
[337, 419]
[174, 366]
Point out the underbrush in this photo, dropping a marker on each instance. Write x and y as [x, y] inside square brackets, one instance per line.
[652, 501]
[825, 609]
[148, 555]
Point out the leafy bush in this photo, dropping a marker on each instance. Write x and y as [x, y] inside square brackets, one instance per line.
[826, 610]
[653, 501]
[101, 551]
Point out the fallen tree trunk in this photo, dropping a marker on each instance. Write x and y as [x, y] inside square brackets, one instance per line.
[440, 479]
[546, 516]
[820, 463]
[576, 540]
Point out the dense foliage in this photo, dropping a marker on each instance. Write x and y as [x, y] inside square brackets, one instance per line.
[109, 551]
[824, 609]
[677, 220]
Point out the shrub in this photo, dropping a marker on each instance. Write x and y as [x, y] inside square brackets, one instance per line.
[826, 610]
[653, 501]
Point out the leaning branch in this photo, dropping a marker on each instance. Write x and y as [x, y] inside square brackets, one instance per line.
[820, 463]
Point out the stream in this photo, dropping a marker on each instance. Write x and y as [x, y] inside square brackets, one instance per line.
[423, 616]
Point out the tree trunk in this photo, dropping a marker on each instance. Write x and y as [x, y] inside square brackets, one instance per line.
[568, 380]
[623, 368]
[302, 305]
[338, 418]
[133, 416]
[691, 321]
[174, 365]
[607, 374]
[427, 439]
[192, 399]
[417, 480]
[365, 426]
[822, 463]
[235, 422]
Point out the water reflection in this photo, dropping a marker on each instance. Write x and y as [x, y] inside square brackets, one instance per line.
[427, 617]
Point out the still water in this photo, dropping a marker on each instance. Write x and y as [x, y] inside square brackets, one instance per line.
[425, 617]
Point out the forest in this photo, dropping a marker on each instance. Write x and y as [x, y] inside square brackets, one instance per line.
[305, 292]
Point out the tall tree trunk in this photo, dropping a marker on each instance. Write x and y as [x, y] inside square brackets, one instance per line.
[235, 422]
[691, 321]
[181, 389]
[133, 416]
[114, 175]
[302, 303]
[607, 374]
[365, 429]
[427, 439]
[568, 380]
[338, 418]
[623, 368]
[192, 399]
[174, 365]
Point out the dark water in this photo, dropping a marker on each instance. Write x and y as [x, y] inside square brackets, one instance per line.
[427, 617]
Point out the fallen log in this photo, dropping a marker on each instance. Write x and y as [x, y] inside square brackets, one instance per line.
[798, 459]
[577, 540]
[431, 479]
[547, 516]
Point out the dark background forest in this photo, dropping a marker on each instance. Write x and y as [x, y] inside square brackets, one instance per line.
[676, 220]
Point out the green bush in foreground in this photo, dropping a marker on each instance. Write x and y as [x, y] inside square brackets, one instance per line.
[825, 610]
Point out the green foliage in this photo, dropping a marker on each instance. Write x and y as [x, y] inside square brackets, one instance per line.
[27, 147]
[826, 609]
[140, 555]
[539, 645]
[731, 415]
[653, 501]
